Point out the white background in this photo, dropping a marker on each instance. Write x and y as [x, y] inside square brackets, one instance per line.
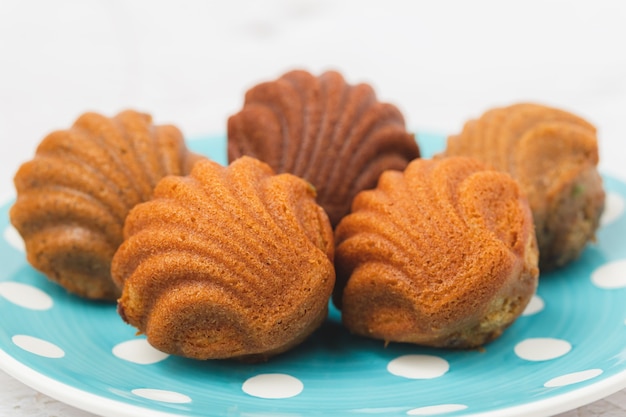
[190, 62]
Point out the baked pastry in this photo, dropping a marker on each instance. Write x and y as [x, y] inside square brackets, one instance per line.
[229, 262]
[442, 254]
[337, 136]
[73, 197]
[554, 156]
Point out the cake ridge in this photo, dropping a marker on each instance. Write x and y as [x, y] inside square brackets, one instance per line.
[310, 154]
[159, 208]
[253, 205]
[192, 245]
[321, 129]
[309, 118]
[282, 109]
[78, 144]
[166, 275]
[252, 196]
[435, 281]
[50, 169]
[141, 145]
[261, 251]
[106, 132]
[81, 183]
[164, 138]
[360, 99]
[379, 134]
[554, 156]
[329, 81]
[229, 195]
[292, 218]
[92, 215]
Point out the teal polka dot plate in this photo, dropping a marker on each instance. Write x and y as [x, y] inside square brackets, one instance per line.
[566, 350]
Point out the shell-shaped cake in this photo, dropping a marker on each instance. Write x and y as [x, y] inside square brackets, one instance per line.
[73, 196]
[442, 254]
[228, 262]
[337, 136]
[554, 156]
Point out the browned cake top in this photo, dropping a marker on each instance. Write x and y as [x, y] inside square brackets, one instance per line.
[426, 252]
[337, 136]
[523, 136]
[553, 154]
[73, 196]
[227, 262]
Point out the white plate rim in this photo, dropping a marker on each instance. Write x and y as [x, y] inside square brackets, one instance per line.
[111, 408]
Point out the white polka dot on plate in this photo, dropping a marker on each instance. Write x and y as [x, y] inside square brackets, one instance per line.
[162, 395]
[613, 208]
[610, 276]
[418, 366]
[38, 346]
[25, 295]
[573, 378]
[436, 409]
[13, 238]
[138, 351]
[273, 386]
[542, 348]
[535, 305]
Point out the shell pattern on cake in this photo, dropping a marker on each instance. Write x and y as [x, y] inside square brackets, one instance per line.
[228, 262]
[442, 254]
[74, 195]
[554, 156]
[337, 136]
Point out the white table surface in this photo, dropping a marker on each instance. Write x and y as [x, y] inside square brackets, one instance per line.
[189, 63]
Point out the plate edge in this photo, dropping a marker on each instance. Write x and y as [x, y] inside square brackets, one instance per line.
[70, 395]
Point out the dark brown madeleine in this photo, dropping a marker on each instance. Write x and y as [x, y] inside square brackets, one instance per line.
[337, 136]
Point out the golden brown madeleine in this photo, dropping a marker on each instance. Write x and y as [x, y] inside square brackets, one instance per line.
[73, 196]
[441, 255]
[227, 262]
[337, 136]
[554, 156]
